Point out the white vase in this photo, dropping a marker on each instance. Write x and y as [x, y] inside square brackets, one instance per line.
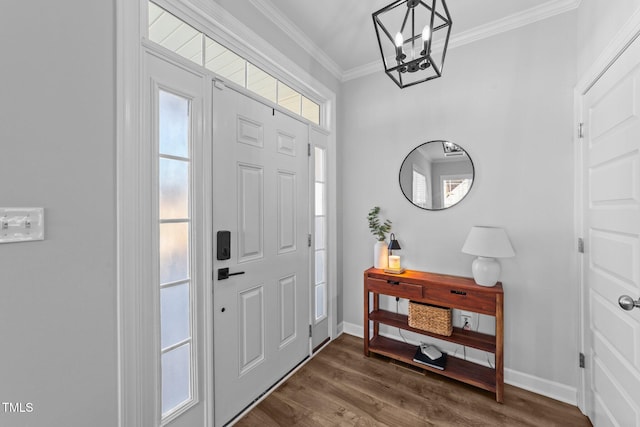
[486, 271]
[381, 255]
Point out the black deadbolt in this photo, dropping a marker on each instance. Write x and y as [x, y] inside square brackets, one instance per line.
[224, 245]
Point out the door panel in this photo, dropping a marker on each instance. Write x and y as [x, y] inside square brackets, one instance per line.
[287, 308]
[614, 181]
[261, 195]
[250, 212]
[250, 132]
[611, 177]
[286, 144]
[614, 253]
[251, 328]
[612, 110]
[287, 231]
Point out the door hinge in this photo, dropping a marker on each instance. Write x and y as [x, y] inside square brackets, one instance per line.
[581, 360]
[309, 240]
[308, 150]
[310, 331]
[580, 245]
[580, 130]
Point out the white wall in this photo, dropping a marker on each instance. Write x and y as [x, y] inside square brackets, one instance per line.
[265, 28]
[598, 23]
[507, 100]
[57, 139]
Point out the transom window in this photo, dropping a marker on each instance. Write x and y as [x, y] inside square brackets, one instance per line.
[176, 35]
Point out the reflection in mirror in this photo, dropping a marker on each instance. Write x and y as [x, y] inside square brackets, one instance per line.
[436, 175]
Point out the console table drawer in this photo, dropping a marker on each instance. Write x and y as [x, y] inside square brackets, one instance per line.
[479, 302]
[395, 288]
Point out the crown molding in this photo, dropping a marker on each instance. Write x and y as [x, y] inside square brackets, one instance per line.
[268, 9]
[517, 20]
[511, 22]
[363, 70]
[628, 34]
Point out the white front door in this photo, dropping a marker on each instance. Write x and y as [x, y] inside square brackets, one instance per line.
[611, 198]
[261, 197]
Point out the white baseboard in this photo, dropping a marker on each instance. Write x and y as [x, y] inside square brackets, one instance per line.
[551, 389]
[352, 329]
[339, 329]
[541, 386]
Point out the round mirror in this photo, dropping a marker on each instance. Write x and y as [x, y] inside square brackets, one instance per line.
[436, 175]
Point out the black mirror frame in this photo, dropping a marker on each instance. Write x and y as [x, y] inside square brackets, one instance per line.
[473, 180]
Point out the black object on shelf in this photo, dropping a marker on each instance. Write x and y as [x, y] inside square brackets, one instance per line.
[439, 363]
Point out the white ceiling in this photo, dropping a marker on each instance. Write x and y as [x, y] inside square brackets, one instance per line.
[341, 35]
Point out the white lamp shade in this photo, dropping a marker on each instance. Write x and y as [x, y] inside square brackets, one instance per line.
[491, 242]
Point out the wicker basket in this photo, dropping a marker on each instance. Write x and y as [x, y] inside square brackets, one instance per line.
[430, 318]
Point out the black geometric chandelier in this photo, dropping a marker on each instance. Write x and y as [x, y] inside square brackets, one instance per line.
[413, 36]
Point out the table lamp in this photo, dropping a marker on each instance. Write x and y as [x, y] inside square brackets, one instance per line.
[394, 260]
[487, 243]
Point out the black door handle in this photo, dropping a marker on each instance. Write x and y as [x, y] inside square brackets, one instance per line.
[223, 273]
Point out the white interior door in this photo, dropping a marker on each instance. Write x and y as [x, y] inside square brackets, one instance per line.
[611, 183]
[261, 196]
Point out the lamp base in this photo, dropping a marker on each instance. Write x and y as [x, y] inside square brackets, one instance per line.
[486, 271]
[393, 271]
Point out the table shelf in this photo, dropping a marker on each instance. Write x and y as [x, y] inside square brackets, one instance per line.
[458, 369]
[460, 336]
[446, 291]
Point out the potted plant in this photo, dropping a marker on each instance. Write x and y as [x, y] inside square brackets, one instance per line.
[379, 230]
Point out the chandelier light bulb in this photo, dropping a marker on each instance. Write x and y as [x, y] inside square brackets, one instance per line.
[426, 33]
[399, 40]
[400, 56]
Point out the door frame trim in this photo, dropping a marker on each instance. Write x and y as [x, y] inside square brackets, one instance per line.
[132, 405]
[629, 32]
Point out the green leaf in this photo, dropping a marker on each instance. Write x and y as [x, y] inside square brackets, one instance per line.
[377, 229]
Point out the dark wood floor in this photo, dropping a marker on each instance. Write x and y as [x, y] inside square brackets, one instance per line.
[341, 387]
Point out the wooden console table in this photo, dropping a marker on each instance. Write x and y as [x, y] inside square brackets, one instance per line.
[446, 291]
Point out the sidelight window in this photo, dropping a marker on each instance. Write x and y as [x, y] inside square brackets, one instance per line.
[320, 233]
[174, 255]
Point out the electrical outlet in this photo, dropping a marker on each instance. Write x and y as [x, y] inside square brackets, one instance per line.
[466, 318]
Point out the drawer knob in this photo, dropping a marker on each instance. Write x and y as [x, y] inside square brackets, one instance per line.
[458, 292]
[392, 282]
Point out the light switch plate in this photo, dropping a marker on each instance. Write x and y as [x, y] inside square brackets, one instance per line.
[21, 224]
